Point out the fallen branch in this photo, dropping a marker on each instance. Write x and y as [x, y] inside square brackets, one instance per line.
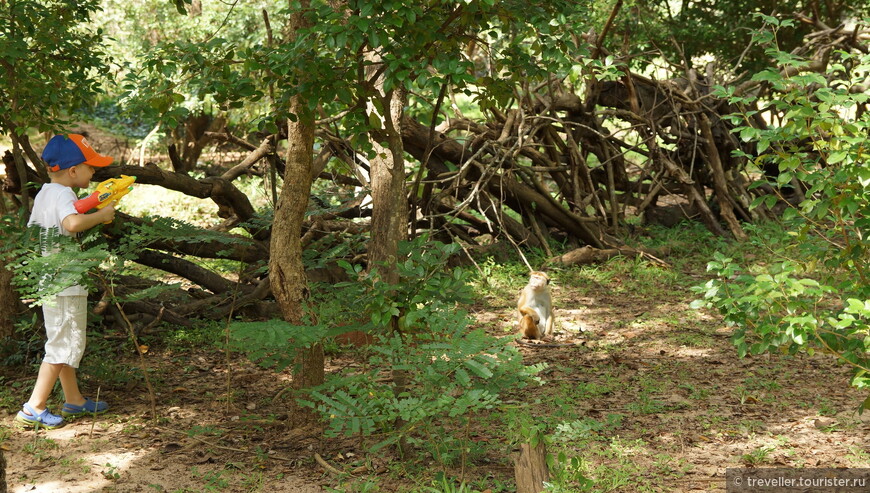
[327, 467]
[591, 255]
[224, 447]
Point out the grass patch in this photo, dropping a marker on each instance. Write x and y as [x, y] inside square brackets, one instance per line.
[205, 335]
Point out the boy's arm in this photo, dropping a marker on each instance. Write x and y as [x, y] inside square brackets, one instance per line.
[76, 223]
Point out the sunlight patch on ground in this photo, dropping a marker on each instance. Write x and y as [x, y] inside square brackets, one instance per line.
[682, 351]
[57, 486]
[105, 464]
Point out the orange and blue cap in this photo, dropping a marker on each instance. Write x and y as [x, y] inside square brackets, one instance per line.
[66, 151]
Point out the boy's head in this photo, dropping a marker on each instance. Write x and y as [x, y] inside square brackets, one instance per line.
[67, 151]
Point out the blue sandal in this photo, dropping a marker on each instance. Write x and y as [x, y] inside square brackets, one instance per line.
[89, 407]
[38, 420]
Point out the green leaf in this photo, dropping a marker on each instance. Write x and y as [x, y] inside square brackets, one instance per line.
[858, 307]
[478, 369]
[769, 75]
[375, 121]
[836, 157]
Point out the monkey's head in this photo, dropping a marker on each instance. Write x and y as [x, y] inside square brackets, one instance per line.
[538, 280]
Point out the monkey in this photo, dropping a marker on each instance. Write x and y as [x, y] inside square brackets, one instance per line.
[535, 307]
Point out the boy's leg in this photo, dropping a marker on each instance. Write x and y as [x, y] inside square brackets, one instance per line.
[76, 404]
[48, 374]
[71, 350]
[34, 412]
[70, 385]
[65, 323]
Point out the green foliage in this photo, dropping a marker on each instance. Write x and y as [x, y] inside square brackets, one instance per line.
[444, 484]
[426, 293]
[108, 115]
[27, 342]
[691, 29]
[420, 47]
[450, 377]
[272, 343]
[159, 228]
[568, 474]
[451, 371]
[52, 62]
[586, 428]
[170, 65]
[815, 293]
[45, 262]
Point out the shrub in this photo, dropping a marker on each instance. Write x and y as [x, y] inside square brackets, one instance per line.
[450, 371]
[815, 293]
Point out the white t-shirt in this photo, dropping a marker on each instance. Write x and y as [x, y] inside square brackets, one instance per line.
[52, 205]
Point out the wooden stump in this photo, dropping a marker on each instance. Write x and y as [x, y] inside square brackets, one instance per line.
[530, 467]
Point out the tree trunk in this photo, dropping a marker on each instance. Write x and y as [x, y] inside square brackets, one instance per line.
[726, 209]
[286, 272]
[10, 305]
[389, 207]
[2, 472]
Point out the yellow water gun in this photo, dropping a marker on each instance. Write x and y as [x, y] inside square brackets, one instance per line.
[110, 190]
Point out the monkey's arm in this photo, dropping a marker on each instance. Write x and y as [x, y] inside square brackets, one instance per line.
[524, 309]
[551, 322]
[522, 301]
[528, 311]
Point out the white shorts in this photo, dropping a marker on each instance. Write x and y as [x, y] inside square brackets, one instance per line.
[65, 322]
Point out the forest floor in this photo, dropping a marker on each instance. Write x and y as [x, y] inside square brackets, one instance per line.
[646, 395]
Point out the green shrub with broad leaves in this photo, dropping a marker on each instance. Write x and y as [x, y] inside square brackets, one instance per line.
[451, 371]
[813, 293]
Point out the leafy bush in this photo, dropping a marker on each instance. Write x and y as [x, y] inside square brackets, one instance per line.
[813, 295]
[451, 372]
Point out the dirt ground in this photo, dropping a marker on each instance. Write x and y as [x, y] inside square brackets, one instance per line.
[689, 409]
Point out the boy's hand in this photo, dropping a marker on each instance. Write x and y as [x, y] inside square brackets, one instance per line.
[76, 223]
[107, 213]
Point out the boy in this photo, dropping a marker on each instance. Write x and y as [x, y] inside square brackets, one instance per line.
[71, 161]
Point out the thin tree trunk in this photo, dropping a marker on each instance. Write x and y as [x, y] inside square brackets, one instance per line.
[286, 272]
[726, 209]
[530, 468]
[389, 207]
[2, 472]
[10, 305]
